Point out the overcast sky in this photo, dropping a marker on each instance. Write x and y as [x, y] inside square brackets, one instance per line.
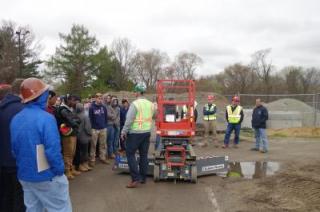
[221, 32]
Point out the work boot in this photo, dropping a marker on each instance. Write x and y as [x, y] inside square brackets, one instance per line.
[254, 149]
[104, 161]
[264, 151]
[75, 172]
[87, 166]
[69, 175]
[83, 168]
[92, 164]
[133, 184]
[224, 146]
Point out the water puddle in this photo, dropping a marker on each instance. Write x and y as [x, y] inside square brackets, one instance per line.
[251, 170]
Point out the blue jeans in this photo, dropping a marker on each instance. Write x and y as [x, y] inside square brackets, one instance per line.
[50, 195]
[116, 137]
[139, 142]
[261, 136]
[110, 139]
[230, 128]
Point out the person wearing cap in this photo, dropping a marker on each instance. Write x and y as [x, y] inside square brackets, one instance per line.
[68, 123]
[137, 131]
[11, 194]
[98, 118]
[209, 120]
[36, 146]
[234, 117]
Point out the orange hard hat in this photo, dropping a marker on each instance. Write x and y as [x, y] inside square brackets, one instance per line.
[236, 99]
[210, 97]
[32, 88]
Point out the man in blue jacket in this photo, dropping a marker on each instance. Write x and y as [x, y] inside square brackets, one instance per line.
[259, 119]
[11, 194]
[35, 144]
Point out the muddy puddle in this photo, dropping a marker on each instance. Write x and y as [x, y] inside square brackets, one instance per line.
[251, 170]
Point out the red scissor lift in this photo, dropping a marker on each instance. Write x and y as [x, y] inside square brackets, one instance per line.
[175, 159]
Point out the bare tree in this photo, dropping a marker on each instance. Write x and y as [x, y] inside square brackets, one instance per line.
[149, 66]
[124, 52]
[309, 79]
[292, 76]
[237, 78]
[186, 64]
[263, 68]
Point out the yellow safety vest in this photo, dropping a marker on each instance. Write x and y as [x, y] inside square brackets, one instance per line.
[211, 109]
[143, 120]
[234, 117]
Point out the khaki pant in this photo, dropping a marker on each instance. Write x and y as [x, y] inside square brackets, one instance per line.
[68, 149]
[210, 126]
[102, 136]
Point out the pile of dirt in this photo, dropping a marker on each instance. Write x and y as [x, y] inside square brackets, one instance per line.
[303, 132]
[288, 104]
[296, 189]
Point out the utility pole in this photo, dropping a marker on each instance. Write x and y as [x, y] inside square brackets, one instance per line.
[20, 33]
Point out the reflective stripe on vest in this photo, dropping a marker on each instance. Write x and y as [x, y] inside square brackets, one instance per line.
[210, 109]
[143, 120]
[234, 117]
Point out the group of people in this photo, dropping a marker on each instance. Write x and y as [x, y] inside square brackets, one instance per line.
[46, 139]
[87, 127]
[234, 116]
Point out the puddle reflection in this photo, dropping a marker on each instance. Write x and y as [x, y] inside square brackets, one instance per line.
[252, 170]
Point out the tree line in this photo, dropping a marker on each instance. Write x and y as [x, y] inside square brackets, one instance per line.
[260, 76]
[82, 65]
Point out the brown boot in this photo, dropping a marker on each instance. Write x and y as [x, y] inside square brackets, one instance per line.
[104, 161]
[87, 166]
[69, 175]
[92, 163]
[75, 172]
[83, 168]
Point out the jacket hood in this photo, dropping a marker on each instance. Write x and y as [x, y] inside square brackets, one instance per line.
[79, 108]
[41, 101]
[9, 99]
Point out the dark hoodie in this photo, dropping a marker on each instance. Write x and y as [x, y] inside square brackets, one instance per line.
[9, 107]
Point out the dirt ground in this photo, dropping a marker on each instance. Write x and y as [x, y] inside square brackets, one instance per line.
[295, 187]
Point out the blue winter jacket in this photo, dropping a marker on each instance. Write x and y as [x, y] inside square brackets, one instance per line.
[9, 107]
[29, 128]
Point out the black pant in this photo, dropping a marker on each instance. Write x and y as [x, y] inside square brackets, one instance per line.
[139, 142]
[81, 153]
[11, 193]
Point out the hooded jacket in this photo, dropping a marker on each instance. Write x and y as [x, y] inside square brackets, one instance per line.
[84, 132]
[9, 107]
[31, 127]
[98, 116]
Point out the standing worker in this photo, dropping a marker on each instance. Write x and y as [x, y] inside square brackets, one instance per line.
[36, 146]
[259, 119]
[137, 130]
[234, 117]
[209, 120]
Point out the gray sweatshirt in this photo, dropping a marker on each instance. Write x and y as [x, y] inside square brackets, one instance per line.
[111, 113]
[84, 131]
[131, 115]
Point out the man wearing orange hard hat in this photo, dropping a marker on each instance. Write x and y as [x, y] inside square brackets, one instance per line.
[36, 146]
[209, 120]
[234, 117]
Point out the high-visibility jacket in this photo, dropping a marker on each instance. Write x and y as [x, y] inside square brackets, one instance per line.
[143, 120]
[210, 117]
[234, 116]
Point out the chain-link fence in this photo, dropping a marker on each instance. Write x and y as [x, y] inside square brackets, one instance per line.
[285, 111]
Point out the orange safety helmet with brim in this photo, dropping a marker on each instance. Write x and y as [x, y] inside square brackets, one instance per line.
[32, 88]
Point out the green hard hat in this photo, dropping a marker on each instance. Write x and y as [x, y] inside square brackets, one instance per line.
[139, 88]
